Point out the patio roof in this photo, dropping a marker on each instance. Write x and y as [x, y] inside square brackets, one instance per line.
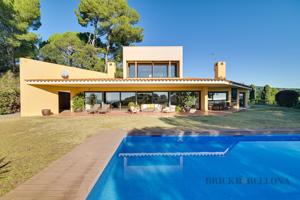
[136, 81]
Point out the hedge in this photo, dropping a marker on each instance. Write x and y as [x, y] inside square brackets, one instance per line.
[287, 98]
[9, 101]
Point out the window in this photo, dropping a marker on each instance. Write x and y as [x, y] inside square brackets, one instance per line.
[160, 71]
[177, 98]
[131, 70]
[234, 94]
[160, 98]
[145, 70]
[144, 97]
[92, 98]
[173, 70]
[127, 97]
[113, 98]
[217, 97]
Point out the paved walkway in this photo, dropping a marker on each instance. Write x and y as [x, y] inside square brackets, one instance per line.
[73, 175]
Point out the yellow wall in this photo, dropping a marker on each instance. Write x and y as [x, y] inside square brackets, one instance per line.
[34, 99]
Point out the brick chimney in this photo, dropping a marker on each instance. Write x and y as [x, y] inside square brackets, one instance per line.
[220, 70]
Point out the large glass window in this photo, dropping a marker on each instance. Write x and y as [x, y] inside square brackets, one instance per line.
[160, 71]
[160, 98]
[217, 96]
[131, 70]
[217, 100]
[113, 98]
[127, 97]
[145, 70]
[178, 98]
[144, 97]
[92, 98]
[173, 70]
[234, 94]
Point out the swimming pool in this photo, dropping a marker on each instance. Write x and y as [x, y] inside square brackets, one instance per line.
[202, 167]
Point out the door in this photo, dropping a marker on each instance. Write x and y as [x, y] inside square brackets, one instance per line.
[64, 101]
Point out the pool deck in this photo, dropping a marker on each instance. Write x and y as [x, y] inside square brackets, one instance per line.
[73, 176]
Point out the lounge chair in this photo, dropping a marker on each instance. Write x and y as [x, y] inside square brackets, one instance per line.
[169, 109]
[104, 109]
[94, 109]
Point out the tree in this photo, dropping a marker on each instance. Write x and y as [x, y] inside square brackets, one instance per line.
[252, 95]
[287, 98]
[113, 23]
[268, 94]
[69, 49]
[17, 17]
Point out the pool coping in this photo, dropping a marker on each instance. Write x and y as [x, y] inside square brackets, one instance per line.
[78, 178]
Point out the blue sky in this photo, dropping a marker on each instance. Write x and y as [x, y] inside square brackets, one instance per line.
[258, 39]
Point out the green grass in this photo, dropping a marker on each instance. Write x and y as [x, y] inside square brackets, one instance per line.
[32, 143]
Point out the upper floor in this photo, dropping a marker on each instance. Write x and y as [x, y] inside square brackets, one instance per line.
[153, 62]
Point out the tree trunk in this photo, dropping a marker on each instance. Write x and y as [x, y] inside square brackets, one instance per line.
[106, 57]
[14, 65]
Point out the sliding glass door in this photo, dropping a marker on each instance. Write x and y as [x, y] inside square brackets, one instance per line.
[127, 97]
[93, 98]
[113, 98]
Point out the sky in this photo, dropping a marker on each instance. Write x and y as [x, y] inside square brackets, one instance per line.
[258, 39]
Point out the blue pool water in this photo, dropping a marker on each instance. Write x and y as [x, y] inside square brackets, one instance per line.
[202, 167]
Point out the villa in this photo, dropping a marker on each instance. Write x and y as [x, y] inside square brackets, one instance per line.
[151, 75]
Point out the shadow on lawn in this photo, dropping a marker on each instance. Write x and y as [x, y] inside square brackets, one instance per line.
[4, 166]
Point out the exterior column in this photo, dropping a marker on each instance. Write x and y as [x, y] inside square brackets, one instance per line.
[237, 100]
[229, 97]
[204, 99]
[135, 69]
[246, 99]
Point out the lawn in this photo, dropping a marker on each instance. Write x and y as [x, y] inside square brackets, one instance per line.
[31, 143]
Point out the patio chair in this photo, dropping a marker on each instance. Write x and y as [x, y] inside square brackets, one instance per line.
[94, 109]
[104, 109]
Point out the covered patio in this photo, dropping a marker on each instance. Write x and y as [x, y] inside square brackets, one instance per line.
[210, 94]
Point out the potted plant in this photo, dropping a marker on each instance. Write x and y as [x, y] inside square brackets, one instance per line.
[78, 102]
[46, 112]
[133, 107]
[189, 101]
[92, 99]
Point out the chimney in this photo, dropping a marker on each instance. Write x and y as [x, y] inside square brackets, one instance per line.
[111, 69]
[220, 70]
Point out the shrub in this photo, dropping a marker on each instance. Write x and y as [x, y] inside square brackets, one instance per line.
[9, 93]
[189, 101]
[287, 98]
[178, 109]
[132, 104]
[78, 102]
[9, 101]
[9, 80]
